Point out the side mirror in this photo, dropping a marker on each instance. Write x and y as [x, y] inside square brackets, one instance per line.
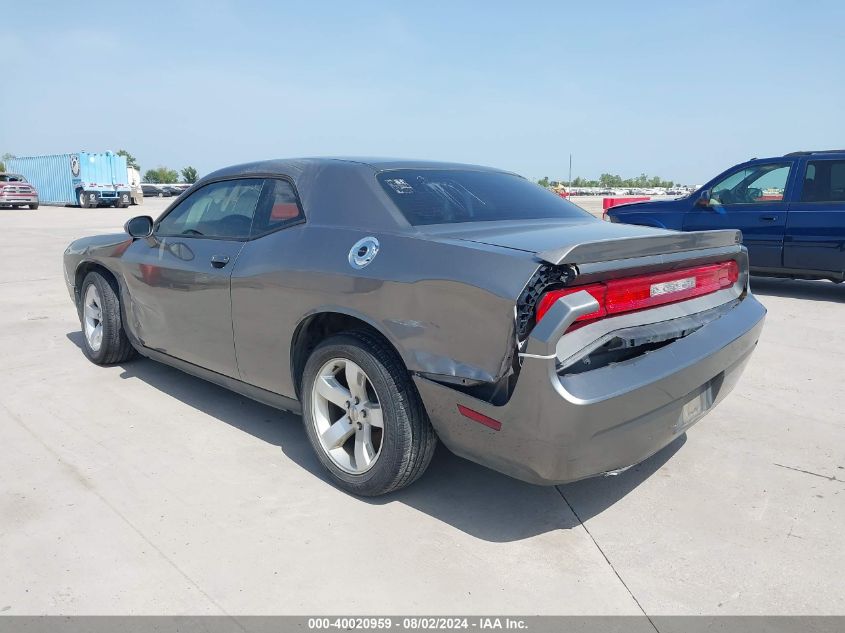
[139, 226]
[703, 199]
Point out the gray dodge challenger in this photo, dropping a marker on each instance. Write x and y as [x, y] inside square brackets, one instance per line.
[395, 302]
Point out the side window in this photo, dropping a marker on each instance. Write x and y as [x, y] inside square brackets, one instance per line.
[824, 181]
[760, 183]
[221, 209]
[279, 207]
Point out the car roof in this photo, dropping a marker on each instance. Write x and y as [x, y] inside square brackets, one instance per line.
[339, 190]
[797, 155]
[294, 167]
[814, 152]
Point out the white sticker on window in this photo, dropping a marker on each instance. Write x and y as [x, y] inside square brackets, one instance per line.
[399, 185]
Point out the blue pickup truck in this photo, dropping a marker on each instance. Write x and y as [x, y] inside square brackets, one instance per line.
[790, 209]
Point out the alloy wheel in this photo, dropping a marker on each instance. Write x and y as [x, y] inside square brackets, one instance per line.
[92, 313]
[347, 416]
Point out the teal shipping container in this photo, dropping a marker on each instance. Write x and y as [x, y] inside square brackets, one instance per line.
[86, 179]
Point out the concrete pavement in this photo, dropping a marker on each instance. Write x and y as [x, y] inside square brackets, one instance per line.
[139, 489]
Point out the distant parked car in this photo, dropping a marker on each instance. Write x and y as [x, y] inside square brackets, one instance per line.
[175, 190]
[790, 209]
[152, 191]
[16, 192]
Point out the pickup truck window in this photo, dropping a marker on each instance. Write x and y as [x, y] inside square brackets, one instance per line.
[754, 184]
[824, 181]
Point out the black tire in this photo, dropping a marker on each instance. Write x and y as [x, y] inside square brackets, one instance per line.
[115, 346]
[408, 439]
[83, 200]
[33, 207]
[124, 201]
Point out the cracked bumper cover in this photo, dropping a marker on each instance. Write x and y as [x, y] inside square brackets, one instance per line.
[557, 429]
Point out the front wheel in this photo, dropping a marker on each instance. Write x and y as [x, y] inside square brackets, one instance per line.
[364, 416]
[104, 341]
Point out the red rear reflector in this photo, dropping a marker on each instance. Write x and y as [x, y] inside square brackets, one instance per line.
[475, 416]
[648, 291]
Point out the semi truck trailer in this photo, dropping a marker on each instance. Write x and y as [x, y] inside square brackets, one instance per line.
[87, 179]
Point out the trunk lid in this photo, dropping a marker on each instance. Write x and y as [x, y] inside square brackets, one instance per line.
[579, 242]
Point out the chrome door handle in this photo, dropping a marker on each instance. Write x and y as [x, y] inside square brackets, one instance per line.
[769, 218]
[218, 261]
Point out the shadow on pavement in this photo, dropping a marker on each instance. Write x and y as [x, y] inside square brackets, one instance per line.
[469, 497]
[798, 289]
[591, 497]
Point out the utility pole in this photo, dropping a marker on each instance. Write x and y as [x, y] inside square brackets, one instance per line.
[570, 173]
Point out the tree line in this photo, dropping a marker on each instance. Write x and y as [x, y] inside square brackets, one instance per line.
[612, 180]
[161, 174]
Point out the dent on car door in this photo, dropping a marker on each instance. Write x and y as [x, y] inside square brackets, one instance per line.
[815, 235]
[754, 200]
[179, 279]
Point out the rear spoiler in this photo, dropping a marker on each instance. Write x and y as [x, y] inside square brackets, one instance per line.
[623, 248]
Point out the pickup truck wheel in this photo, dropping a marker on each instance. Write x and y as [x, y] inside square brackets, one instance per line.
[363, 415]
[33, 206]
[104, 340]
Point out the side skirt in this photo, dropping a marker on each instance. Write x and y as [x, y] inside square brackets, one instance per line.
[250, 391]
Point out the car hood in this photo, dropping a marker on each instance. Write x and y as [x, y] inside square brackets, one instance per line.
[648, 203]
[579, 241]
[100, 244]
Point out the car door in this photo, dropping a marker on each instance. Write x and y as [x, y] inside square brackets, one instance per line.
[753, 199]
[268, 287]
[179, 278]
[815, 230]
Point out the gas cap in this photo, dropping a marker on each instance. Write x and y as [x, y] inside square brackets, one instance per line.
[363, 252]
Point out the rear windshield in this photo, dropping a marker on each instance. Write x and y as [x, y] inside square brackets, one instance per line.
[11, 178]
[448, 196]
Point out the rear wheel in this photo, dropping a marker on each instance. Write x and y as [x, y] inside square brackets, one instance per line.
[363, 415]
[33, 206]
[104, 340]
[124, 201]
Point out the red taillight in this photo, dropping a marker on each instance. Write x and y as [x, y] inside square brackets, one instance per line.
[648, 291]
[599, 291]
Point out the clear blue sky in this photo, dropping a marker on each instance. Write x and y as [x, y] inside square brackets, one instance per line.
[663, 87]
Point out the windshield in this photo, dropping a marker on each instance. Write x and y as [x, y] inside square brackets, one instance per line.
[448, 196]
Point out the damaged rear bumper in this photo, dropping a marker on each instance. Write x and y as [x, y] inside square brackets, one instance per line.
[561, 428]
